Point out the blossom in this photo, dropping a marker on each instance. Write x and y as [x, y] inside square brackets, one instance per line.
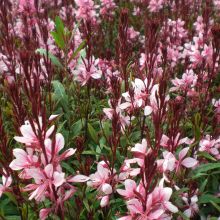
[85, 71]
[174, 142]
[170, 163]
[188, 81]
[27, 6]
[86, 9]
[100, 178]
[191, 203]
[155, 6]
[210, 146]
[101, 181]
[44, 179]
[156, 206]
[107, 7]
[187, 162]
[124, 120]
[6, 183]
[29, 136]
[140, 150]
[130, 187]
[23, 159]
[53, 151]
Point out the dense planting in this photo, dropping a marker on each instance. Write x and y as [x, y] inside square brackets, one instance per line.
[110, 109]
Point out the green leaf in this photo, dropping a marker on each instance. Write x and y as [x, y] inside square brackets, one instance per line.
[59, 25]
[55, 61]
[216, 206]
[93, 133]
[77, 127]
[203, 185]
[207, 198]
[89, 152]
[85, 202]
[59, 34]
[206, 155]
[13, 217]
[206, 167]
[183, 216]
[60, 94]
[68, 167]
[58, 39]
[75, 53]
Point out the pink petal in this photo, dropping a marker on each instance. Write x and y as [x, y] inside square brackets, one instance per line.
[50, 131]
[128, 217]
[79, 179]
[148, 110]
[59, 142]
[104, 201]
[49, 170]
[68, 153]
[22, 140]
[52, 117]
[44, 213]
[107, 188]
[135, 206]
[164, 141]
[58, 178]
[96, 75]
[156, 214]
[172, 208]
[103, 172]
[122, 192]
[183, 153]
[27, 131]
[167, 192]
[189, 162]
[35, 173]
[130, 184]
[15, 166]
[20, 154]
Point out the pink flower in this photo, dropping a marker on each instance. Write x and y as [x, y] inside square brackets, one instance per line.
[130, 187]
[173, 142]
[27, 6]
[168, 163]
[44, 179]
[29, 137]
[192, 206]
[126, 170]
[86, 70]
[139, 98]
[156, 206]
[58, 146]
[155, 5]
[132, 34]
[188, 81]
[210, 146]
[188, 162]
[140, 150]
[86, 9]
[44, 213]
[216, 104]
[23, 159]
[124, 120]
[6, 182]
[100, 179]
[107, 7]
